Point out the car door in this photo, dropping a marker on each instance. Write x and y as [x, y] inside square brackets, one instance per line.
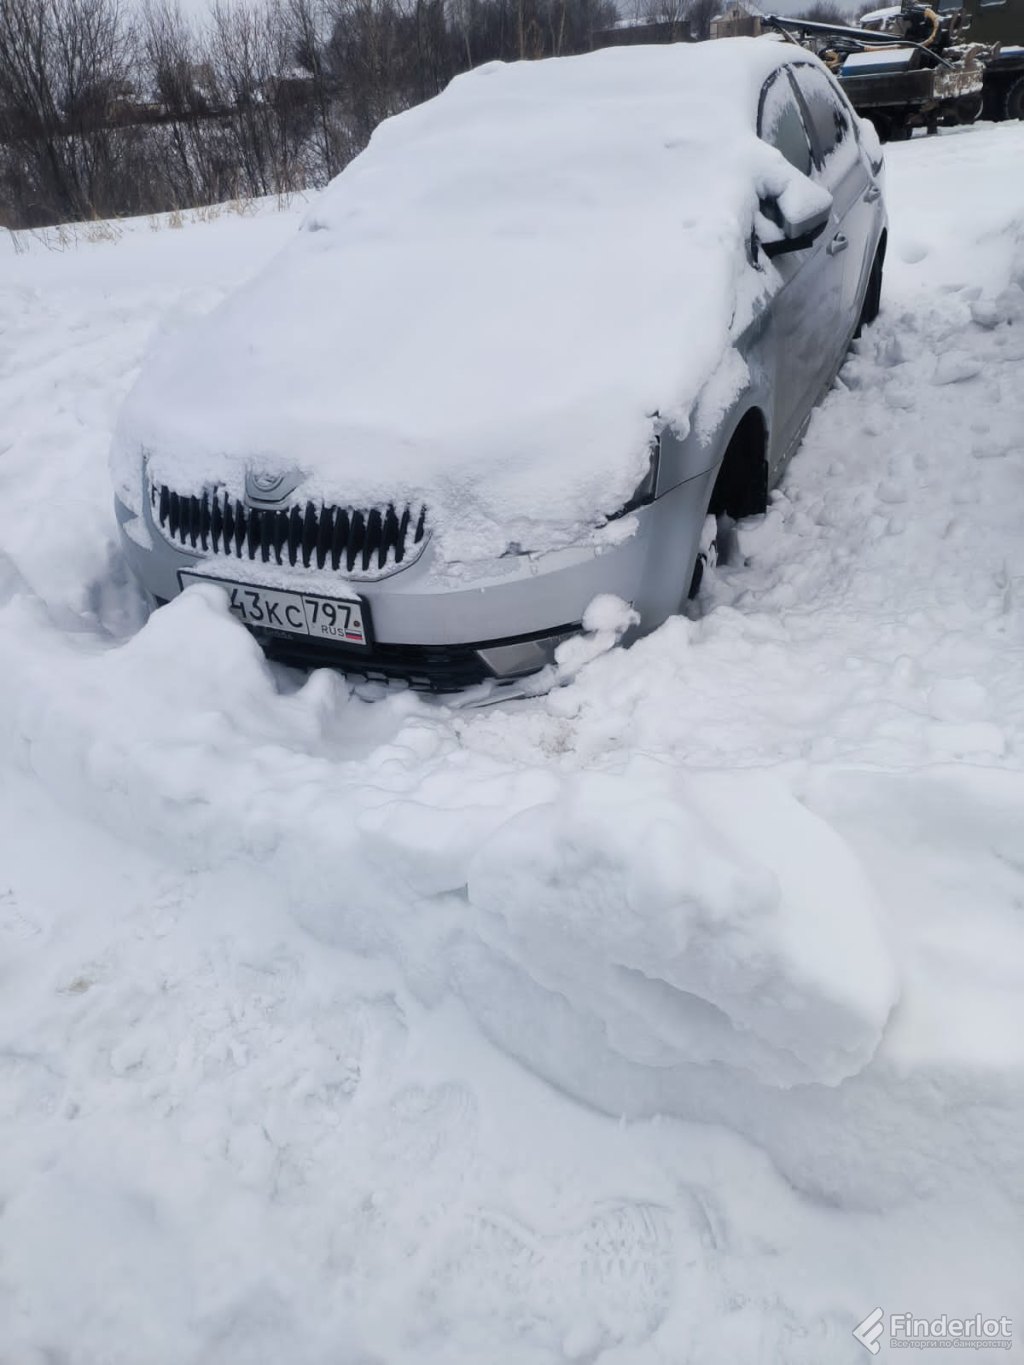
[841, 166]
[800, 322]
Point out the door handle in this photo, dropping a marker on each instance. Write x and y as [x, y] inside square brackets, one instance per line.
[837, 244]
[872, 193]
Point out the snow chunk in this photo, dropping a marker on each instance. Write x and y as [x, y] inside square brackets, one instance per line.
[610, 614]
[713, 920]
[956, 366]
[606, 620]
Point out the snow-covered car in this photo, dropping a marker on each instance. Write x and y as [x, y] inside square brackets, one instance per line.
[521, 349]
[879, 20]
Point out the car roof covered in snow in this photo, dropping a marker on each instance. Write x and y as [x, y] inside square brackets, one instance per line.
[494, 307]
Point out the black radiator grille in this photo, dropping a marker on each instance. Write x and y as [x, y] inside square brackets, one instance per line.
[350, 539]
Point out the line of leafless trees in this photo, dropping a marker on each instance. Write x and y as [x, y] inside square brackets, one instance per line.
[118, 107]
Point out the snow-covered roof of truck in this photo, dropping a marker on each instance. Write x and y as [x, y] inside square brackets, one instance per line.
[487, 309]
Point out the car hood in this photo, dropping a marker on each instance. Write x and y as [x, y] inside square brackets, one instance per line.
[494, 307]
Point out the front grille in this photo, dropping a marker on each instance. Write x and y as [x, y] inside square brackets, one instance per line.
[350, 539]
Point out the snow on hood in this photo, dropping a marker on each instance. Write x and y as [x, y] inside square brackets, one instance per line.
[494, 307]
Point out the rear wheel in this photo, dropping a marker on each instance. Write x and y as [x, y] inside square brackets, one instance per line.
[1013, 102]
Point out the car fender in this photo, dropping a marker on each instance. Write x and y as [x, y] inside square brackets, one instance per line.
[696, 453]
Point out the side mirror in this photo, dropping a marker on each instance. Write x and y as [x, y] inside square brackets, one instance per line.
[798, 232]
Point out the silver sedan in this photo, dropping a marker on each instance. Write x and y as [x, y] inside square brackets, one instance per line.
[367, 587]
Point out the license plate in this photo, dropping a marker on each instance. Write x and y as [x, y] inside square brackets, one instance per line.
[296, 613]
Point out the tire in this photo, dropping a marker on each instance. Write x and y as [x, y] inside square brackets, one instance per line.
[889, 127]
[968, 110]
[1013, 100]
[707, 554]
[872, 304]
[883, 126]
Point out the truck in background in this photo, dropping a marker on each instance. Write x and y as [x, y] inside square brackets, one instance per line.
[913, 66]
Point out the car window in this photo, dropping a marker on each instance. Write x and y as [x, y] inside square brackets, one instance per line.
[780, 123]
[830, 121]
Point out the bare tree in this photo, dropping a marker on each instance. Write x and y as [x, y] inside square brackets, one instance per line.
[824, 12]
[65, 67]
[309, 26]
[366, 60]
[105, 110]
[699, 14]
[673, 15]
[181, 81]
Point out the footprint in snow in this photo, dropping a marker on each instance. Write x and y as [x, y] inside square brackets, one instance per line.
[606, 1281]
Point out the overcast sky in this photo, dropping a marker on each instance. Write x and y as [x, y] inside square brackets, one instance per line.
[198, 9]
[851, 7]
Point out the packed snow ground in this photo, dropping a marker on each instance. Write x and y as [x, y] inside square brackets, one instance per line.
[677, 1016]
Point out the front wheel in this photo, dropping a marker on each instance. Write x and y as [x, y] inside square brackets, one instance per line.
[872, 295]
[1013, 104]
[716, 546]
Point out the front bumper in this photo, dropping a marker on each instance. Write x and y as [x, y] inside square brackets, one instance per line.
[430, 668]
[451, 626]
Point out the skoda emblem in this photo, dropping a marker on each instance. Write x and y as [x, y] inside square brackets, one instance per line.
[262, 489]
